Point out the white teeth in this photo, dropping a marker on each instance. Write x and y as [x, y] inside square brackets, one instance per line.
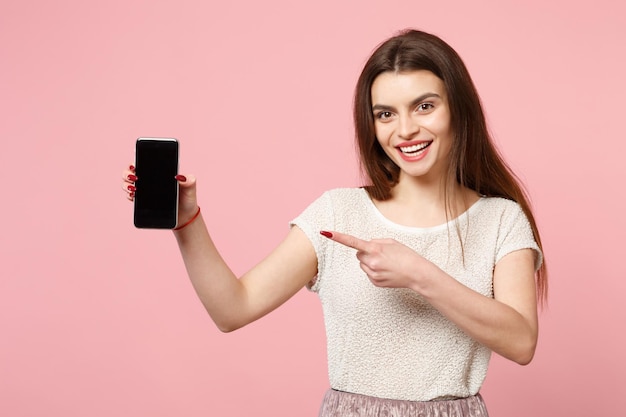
[414, 148]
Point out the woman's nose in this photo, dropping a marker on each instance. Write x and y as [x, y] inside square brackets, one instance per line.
[408, 127]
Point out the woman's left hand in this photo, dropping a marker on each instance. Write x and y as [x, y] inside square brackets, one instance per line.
[387, 262]
[506, 323]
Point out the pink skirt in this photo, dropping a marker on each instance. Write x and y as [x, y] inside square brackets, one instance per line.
[345, 404]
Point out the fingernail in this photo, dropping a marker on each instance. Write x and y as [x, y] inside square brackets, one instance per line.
[132, 167]
[327, 234]
[181, 178]
[132, 177]
[132, 188]
[132, 194]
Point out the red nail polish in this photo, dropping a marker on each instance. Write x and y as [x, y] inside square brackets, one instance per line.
[132, 188]
[132, 168]
[327, 234]
[132, 177]
[132, 194]
[181, 178]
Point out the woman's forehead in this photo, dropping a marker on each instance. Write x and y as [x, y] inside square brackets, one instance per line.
[401, 85]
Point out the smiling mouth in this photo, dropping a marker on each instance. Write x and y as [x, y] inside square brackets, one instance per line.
[415, 150]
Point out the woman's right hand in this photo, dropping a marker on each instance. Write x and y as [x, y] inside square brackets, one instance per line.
[187, 200]
[232, 302]
[128, 184]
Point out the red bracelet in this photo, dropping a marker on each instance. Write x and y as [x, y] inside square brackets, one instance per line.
[195, 216]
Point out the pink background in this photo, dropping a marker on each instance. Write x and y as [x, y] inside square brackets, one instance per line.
[99, 319]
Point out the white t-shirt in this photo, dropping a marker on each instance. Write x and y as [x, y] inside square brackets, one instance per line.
[389, 342]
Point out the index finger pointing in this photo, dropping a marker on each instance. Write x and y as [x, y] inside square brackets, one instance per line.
[347, 240]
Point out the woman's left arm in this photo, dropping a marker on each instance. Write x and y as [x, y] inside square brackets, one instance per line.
[506, 324]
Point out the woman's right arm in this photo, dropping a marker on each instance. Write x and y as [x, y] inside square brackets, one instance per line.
[231, 302]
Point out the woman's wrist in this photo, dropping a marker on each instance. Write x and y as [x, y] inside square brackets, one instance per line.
[188, 222]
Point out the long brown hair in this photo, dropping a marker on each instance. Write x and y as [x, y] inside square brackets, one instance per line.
[475, 162]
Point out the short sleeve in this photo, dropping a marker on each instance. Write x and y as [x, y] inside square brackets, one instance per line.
[516, 234]
[316, 217]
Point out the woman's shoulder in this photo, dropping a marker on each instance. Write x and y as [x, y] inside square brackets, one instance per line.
[343, 194]
[499, 203]
[499, 208]
[340, 199]
[347, 197]
[347, 192]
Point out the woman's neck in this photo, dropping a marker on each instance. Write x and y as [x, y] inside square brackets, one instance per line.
[420, 203]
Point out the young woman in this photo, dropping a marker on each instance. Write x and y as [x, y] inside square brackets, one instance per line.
[423, 272]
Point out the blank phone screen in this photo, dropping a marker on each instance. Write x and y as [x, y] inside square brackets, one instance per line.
[156, 198]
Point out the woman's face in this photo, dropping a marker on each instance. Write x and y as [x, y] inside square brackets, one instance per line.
[412, 122]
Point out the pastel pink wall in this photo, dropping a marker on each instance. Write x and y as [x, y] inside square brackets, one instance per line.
[99, 319]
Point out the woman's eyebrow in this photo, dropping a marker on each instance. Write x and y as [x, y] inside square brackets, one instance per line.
[413, 103]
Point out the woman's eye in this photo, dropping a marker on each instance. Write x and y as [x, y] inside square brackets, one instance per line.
[425, 106]
[383, 115]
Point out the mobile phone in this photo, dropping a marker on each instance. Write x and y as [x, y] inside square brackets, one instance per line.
[156, 197]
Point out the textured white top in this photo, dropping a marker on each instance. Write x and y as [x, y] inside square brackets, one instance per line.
[389, 342]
